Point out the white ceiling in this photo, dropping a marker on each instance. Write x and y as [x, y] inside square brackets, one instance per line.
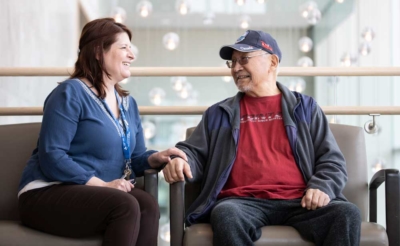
[272, 14]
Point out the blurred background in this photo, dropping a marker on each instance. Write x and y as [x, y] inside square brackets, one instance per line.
[182, 33]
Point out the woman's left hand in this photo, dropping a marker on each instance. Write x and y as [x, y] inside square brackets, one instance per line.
[159, 158]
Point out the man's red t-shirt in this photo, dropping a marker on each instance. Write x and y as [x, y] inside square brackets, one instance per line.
[264, 165]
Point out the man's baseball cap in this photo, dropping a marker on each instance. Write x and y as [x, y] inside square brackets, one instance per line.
[252, 41]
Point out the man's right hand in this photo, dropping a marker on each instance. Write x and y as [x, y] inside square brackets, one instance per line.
[175, 170]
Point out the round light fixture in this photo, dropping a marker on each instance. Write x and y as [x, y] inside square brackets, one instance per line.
[368, 34]
[245, 21]
[178, 83]
[305, 61]
[119, 14]
[305, 44]
[183, 7]
[156, 95]
[348, 59]
[240, 2]
[306, 8]
[149, 129]
[144, 8]
[364, 48]
[171, 40]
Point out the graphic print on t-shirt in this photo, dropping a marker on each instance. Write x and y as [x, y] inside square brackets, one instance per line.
[264, 166]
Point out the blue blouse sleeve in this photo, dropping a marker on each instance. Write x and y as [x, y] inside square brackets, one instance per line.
[60, 121]
[139, 155]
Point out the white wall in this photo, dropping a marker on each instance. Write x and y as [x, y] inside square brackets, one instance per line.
[38, 33]
[382, 16]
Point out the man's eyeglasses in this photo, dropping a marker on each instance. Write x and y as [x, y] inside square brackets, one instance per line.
[242, 60]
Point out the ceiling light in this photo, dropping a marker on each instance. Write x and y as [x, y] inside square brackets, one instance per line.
[119, 14]
[208, 18]
[245, 22]
[339, 1]
[156, 95]
[297, 84]
[165, 233]
[171, 40]
[368, 34]
[183, 7]
[186, 90]
[226, 79]
[306, 8]
[149, 129]
[305, 61]
[378, 164]
[348, 59]
[178, 83]
[305, 44]
[144, 8]
[260, 1]
[314, 16]
[240, 2]
[364, 48]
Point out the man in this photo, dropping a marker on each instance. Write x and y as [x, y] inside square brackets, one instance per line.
[266, 157]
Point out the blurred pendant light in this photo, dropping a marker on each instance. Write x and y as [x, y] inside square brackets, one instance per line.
[171, 40]
[144, 8]
[149, 129]
[240, 2]
[305, 44]
[178, 83]
[305, 61]
[348, 59]
[208, 18]
[135, 52]
[339, 1]
[378, 164]
[119, 14]
[245, 21]
[226, 79]
[306, 8]
[165, 233]
[314, 17]
[364, 49]
[185, 92]
[297, 84]
[260, 1]
[156, 95]
[183, 7]
[368, 34]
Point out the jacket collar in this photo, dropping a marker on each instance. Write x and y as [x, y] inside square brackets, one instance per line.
[289, 102]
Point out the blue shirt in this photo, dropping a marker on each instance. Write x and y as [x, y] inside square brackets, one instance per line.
[79, 139]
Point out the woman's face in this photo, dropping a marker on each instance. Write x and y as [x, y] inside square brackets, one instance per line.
[118, 58]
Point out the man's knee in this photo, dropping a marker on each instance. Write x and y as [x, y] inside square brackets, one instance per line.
[348, 210]
[225, 212]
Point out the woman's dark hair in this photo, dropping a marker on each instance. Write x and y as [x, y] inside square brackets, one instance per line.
[96, 38]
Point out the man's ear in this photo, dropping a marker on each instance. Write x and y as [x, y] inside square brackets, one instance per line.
[274, 62]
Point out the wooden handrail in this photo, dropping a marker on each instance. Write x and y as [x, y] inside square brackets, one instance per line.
[198, 110]
[209, 71]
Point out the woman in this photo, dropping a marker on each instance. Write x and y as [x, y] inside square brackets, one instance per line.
[77, 181]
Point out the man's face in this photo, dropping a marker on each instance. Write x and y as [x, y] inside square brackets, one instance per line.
[249, 75]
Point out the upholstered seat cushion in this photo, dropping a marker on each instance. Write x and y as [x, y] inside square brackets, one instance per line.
[201, 234]
[13, 233]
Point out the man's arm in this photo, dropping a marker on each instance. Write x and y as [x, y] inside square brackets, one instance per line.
[196, 150]
[330, 173]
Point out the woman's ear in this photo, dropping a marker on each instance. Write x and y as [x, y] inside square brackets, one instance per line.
[98, 52]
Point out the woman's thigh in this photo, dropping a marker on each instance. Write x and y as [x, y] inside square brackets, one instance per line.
[74, 210]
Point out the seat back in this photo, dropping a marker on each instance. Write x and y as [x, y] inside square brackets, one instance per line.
[16, 145]
[351, 142]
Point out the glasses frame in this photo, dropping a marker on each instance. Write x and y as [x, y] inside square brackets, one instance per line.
[243, 60]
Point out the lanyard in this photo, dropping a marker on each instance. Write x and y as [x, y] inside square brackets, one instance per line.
[125, 133]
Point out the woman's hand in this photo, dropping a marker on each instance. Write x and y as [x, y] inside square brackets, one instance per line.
[119, 184]
[159, 158]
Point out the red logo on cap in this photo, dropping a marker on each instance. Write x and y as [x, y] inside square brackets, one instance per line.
[266, 46]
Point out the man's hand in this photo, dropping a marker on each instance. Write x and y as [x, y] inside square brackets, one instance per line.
[314, 198]
[175, 170]
[159, 158]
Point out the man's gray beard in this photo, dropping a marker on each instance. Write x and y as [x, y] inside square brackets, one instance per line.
[245, 88]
